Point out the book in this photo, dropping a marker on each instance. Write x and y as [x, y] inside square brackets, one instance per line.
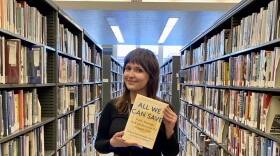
[12, 61]
[144, 121]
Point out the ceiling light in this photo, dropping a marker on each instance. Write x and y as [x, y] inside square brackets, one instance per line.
[116, 30]
[167, 29]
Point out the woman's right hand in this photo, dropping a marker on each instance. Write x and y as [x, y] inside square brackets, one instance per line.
[118, 141]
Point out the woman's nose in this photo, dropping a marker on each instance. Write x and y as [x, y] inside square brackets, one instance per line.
[131, 74]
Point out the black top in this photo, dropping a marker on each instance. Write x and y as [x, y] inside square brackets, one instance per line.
[112, 122]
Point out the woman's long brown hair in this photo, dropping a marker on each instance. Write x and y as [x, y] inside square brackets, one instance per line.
[147, 59]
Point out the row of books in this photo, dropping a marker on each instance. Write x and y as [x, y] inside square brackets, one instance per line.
[89, 149]
[189, 93]
[195, 142]
[257, 28]
[18, 109]
[115, 86]
[89, 90]
[165, 88]
[116, 77]
[87, 74]
[194, 75]
[20, 18]
[97, 74]
[167, 68]
[97, 90]
[31, 143]
[90, 112]
[257, 110]
[243, 142]
[254, 109]
[116, 67]
[217, 46]
[87, 93]
[68, 70]
[67, 99]
[20, 64]
[65, 128]
[69, 149]
[116, 94]
[68, 42]
[166, 97]
[87, 53]
[217, 73]
[217, 100]
[87, 134]
[212, 125]
[97, 58]
[257, 69]
[166, 77]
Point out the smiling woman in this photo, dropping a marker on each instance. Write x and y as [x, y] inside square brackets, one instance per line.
[141, 76]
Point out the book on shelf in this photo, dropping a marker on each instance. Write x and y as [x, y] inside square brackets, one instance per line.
[12, 61]
[144, 121]
[272, 119]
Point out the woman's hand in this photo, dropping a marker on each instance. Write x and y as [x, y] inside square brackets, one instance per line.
[118, 141]
[169, 120]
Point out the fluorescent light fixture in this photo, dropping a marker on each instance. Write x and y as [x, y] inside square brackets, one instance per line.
[116, 30]
[167, 29]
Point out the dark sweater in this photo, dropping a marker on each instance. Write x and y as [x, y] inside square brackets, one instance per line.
[111, 122]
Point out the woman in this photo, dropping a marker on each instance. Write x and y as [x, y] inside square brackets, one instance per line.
[141, 76]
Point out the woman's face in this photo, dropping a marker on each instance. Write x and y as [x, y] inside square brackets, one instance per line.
[135, 78]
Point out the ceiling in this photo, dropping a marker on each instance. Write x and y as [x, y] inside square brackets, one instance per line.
[141, 23]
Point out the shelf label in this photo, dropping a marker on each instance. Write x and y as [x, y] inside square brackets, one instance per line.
[105, 80]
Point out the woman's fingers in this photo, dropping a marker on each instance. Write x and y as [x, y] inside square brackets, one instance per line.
[170, 115]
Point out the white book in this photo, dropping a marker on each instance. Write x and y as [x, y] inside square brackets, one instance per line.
[277, 68]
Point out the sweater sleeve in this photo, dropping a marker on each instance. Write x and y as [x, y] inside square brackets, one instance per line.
[102, 142]
[171, 145]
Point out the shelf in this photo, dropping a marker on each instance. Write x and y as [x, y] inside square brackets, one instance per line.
[88, 83]
[68, 55]
[257, 89]
[68, 112]
[85, 126]
[194, 85]
[218, 87]
[90, 102]
[48, 92]
[75, 134]
[49, 152]
[14, 86]
[9, 35]
[222, 145]
[116, 82]
[45, 120]
[167, 83]
[88, 63]
[49, 48]
[98, 66]
[275, 137]
[68, 84]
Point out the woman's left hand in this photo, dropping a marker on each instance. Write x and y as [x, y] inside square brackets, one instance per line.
[169, 120]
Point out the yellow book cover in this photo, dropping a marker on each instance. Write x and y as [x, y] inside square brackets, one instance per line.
[144, 121]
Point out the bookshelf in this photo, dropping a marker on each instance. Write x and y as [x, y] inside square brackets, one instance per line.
[169, 80]
[229, 84]
[112, 79]
[54, 92]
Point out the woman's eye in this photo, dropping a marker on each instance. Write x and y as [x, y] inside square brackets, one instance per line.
[138, 70]
[127, 68]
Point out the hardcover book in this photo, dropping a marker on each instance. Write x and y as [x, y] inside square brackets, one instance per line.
[144, 121]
